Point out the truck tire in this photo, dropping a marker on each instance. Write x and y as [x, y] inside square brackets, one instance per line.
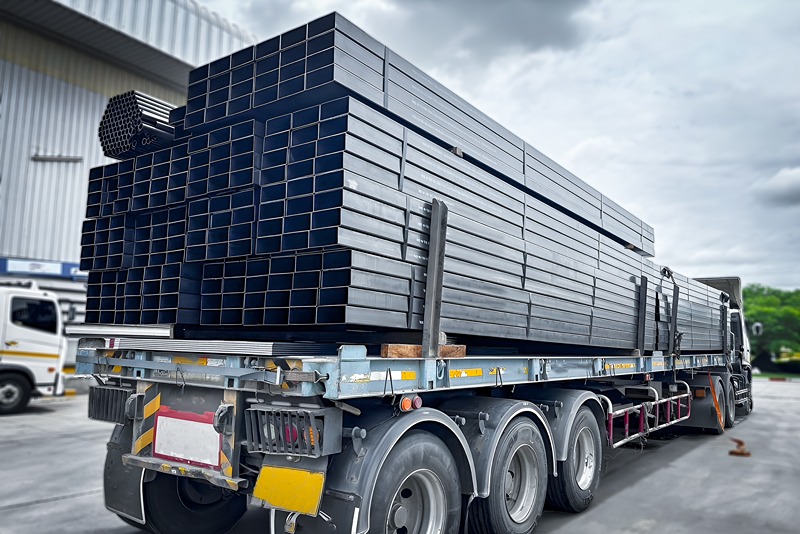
[417, 490]
[15, 393]
[718, 427]
[579, 475]
[730, 406]
[518, 484]
[177, 505]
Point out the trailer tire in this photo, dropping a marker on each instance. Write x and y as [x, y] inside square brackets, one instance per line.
[15, 393]
[730, 406]
[178, 505]
[418, 488]
[579, 475]
[519, 482]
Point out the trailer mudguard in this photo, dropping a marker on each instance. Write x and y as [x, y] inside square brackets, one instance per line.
[354, 472]
[122, 484]
[562, 416]
[485, 419]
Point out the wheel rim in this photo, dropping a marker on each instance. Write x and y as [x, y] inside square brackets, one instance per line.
[584, 458]
[419, 505]
[9, 394]
[521, 483]
[197, 496]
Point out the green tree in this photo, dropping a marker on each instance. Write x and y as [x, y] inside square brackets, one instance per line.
[779, 312]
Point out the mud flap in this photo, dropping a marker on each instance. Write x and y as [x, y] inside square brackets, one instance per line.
[122, 484]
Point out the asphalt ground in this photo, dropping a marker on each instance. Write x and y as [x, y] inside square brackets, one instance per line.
[51, 459]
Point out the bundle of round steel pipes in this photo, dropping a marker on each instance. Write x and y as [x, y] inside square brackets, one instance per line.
[135, 123]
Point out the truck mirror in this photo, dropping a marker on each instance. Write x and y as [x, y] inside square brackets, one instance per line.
[757, 329]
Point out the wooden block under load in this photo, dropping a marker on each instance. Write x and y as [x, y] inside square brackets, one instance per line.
[398, 350]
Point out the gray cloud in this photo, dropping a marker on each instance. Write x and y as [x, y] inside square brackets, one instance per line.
[781, 189]
[452, 34]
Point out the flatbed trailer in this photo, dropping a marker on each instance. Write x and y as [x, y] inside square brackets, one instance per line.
[345, 437]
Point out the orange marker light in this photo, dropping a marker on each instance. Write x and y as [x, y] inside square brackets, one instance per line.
[406, 405]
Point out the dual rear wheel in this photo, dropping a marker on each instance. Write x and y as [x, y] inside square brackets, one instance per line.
[518, 482]
[418, 489]
[579, 475]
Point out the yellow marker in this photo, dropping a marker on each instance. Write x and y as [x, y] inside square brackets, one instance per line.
[408, 375]
[306, 487]
[466, 373]
[189, 361]
[620, 366]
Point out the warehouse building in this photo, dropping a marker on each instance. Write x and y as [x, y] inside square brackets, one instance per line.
[60, 62]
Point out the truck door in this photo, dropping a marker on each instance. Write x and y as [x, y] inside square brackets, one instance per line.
[32, 337]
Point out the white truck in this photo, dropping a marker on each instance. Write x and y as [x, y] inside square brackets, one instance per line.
[32, 346]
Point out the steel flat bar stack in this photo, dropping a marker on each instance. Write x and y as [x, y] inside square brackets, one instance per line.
[295, 193]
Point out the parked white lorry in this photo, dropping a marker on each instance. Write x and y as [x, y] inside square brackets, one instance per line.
[32, 346]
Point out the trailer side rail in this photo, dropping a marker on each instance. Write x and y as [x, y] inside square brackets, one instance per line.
[350, 373]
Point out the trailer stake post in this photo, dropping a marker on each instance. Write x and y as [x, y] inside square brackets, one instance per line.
[435, 275]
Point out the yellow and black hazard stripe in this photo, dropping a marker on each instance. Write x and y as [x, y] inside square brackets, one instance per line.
[227, 467]
[144, 428]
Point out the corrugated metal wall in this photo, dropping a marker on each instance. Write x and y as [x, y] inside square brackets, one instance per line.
[27, 49]
[51, 100]
[42, 202]
[181, 28]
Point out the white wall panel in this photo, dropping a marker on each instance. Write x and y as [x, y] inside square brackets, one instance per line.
[163, 24]
[42, 202]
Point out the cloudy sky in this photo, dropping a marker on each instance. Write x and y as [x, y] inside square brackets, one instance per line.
[686, 113]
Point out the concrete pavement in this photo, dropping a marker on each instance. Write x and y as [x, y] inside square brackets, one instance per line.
[52, 464]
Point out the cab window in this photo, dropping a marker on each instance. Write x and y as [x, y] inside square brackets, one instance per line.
[36, 314]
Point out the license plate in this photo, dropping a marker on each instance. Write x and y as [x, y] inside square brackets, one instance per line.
[187, 437]
[290, 489]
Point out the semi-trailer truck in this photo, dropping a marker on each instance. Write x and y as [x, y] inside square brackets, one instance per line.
[330, 287]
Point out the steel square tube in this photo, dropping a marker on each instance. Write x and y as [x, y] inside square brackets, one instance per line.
[292, 70]
[276, 316]
[196, 104]
[216, 97]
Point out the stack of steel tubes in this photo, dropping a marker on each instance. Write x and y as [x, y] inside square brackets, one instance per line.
[295, 197]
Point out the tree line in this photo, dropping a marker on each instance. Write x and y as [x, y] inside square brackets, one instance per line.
[779, 313]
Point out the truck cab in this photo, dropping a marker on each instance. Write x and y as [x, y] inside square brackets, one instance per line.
[32, 346]
[739, 343]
